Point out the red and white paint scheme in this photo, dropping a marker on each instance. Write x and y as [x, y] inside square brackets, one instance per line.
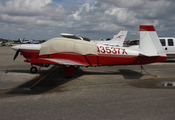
[72, 55]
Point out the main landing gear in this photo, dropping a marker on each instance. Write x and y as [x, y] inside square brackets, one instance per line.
[69, 71]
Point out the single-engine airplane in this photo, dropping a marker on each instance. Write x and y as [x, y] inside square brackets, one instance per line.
[24, 41]
[75, 53]
[7, 42]
[116, 41]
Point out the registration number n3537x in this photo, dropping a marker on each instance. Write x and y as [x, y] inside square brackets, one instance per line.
[111, 50]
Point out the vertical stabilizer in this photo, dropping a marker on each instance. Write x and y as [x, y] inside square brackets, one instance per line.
[149, 41]
[119, 38]
[20, 41]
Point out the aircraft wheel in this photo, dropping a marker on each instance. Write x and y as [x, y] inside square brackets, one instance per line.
[33, 70]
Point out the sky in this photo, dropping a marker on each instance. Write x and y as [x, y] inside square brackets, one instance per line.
[46, 19]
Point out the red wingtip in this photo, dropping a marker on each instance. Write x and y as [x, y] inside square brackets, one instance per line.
[147, 28]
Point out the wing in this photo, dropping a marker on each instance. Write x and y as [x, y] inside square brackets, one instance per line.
[55, 61]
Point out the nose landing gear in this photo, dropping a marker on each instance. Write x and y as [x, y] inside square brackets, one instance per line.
[33, 69]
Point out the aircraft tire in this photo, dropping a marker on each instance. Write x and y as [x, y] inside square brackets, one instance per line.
[33, 70]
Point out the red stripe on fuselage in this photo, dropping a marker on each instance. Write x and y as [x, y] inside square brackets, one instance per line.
[101, 59]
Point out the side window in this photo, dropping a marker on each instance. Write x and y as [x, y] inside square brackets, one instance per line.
[170, 42]
[163, 42]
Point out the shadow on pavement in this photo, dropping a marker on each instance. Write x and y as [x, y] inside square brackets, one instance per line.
[55, 79]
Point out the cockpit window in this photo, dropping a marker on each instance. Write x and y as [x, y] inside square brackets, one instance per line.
[170, 42]
[163, 42]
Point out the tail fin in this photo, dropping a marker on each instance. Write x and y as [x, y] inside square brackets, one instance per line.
[119, 38]
[149, 41]
[20, 41]
[100, 39]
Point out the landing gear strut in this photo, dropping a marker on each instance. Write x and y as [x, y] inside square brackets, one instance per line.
[33, 69]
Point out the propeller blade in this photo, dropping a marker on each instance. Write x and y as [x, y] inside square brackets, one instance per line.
[16, 54]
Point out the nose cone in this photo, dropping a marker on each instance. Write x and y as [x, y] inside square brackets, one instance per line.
[16, 47]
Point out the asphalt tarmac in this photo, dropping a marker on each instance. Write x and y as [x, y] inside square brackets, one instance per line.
[118, 92]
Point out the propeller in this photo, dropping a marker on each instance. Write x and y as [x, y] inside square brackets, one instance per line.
[16, 54]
